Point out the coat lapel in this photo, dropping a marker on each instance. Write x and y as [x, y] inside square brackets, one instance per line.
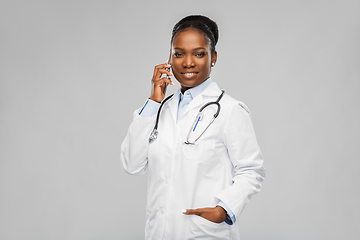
[173, 105]
[195, 103]
[212, 90]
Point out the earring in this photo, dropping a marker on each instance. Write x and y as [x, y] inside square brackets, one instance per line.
[212, 64]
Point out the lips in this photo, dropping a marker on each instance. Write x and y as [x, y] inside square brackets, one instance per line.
[189, 74]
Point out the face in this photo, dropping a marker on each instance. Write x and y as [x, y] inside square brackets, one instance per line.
[191, 58]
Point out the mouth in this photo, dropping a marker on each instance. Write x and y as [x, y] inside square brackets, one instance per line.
[189, 74]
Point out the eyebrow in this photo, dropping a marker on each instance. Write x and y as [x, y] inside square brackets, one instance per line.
[199, 48]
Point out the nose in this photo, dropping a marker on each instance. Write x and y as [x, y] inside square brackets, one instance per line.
[188, 62]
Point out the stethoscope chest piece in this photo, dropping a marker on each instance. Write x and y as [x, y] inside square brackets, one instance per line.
[153, 135]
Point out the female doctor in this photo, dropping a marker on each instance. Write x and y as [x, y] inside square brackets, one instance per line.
[203, 166]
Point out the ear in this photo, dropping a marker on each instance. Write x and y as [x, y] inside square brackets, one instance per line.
[213, 58]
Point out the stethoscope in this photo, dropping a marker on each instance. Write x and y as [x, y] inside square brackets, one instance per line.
[199, 116]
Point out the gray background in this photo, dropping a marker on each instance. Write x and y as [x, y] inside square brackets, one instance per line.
[72, 72]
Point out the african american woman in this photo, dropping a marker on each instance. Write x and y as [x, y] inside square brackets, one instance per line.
[198, 145]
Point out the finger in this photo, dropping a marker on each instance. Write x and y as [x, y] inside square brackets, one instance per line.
[164, 88]
[164, 75]
[161, 73]
[165, 71]
[168, 81]
[192, 212]
[161, 66]
[161, 81]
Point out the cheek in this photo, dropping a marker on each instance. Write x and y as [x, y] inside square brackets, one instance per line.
[176, 66]
[205, 66]
[175, 71]
[205, 63]
[172, 60]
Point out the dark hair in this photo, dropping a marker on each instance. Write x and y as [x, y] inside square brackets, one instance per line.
[202, 23]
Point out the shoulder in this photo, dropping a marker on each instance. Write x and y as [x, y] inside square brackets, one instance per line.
[227, 102]
[231, 104]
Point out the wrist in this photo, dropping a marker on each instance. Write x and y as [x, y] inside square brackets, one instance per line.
[222, 213]
[158, 100]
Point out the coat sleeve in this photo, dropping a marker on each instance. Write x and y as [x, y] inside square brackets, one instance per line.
[134, 149]
[246, 158]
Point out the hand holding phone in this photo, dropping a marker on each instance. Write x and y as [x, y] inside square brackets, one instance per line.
[160, 81]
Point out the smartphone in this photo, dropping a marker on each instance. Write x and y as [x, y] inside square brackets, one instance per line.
[164, 74]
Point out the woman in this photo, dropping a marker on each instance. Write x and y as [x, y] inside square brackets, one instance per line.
[208, 167]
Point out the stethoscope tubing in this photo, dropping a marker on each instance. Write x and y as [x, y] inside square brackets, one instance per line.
[154, 133]
[198, 116]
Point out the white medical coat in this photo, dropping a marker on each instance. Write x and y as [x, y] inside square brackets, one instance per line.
[225, 164]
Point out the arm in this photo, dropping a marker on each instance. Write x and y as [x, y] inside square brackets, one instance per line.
[149, 109]
[217, 214]
[246, 158]
[134, 149]
[230, 218]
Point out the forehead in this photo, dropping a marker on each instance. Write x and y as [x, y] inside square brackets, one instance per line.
[190, 38]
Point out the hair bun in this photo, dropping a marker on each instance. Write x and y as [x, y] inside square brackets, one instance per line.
[212, 26]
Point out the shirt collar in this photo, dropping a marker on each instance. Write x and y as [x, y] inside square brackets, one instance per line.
[194, 91]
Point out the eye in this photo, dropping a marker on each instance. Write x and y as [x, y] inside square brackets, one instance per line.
[176, 54]
[201, 54]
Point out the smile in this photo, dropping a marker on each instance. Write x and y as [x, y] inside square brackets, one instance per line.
[189, 75]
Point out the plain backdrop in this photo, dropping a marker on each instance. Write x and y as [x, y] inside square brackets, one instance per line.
[73, 72]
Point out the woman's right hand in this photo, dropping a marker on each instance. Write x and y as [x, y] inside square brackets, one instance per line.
[159, 84]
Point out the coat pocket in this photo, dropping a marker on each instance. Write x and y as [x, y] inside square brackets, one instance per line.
[199, 152]
[200, 228]
[204, 148]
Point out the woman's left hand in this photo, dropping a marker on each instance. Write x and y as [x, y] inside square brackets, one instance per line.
[216, 214]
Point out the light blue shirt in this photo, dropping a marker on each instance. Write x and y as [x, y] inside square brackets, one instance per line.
[151, 107]
[190, 94]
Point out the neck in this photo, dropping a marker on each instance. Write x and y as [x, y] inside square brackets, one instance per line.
[185, 88]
